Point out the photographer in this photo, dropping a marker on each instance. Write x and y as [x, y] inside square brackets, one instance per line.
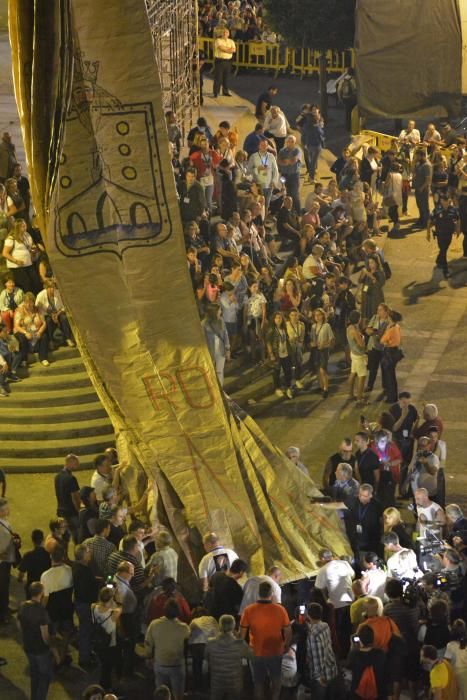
[452, 571]
[423, 469]
[364, 661]
[457, 525]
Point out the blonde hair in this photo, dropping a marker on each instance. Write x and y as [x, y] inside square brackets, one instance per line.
[17, 232]
[391, 518]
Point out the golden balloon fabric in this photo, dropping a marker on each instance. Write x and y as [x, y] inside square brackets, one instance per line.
[90, 106]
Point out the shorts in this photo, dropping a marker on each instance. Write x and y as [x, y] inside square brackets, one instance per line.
[266, 666]
[358, 365]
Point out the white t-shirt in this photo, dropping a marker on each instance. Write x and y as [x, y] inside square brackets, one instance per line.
[336, 577]
[309, 263]
[412, 137]
[426, 518]
[376, 583]
[207, 565]
[19, 251]
[99, 483]
[251, 591]
[458, 658]
[406, 567]
[57, 578]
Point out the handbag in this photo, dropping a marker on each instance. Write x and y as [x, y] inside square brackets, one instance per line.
[391, 356]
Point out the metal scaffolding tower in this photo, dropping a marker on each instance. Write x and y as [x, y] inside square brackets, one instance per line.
[174, 31]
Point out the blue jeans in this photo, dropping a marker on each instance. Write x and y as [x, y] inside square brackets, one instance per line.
[40, 669]
[83, 611]
[173, 676]
[208, 193]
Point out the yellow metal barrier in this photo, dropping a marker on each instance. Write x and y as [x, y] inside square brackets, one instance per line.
[278, 58]
[381, 141]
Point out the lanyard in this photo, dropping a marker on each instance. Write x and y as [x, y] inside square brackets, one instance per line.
[264, 160]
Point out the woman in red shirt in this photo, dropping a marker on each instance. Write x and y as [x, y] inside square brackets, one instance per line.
[390, 459]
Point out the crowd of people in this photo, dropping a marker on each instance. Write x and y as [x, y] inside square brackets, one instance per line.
[283, 281]
[390, 617]
[33, 316]
[244, 20]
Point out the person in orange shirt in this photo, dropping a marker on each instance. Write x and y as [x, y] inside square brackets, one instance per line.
[270, 632]
[383, 627]
[392, 354]
[225, 131]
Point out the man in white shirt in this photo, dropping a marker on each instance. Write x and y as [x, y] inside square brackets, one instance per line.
[410, 135]
[263, 167]
[50, 304]
[251, 587]
[58, 594]
[275, 125]
[218, 558]
[224, 49]
[402, 563]
[335, 580]
[430, 515]
[432, 135]
[102, 477]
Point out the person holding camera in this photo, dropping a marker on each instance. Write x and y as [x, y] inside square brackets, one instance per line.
[453, 572]
[423, 469]
[367, 665]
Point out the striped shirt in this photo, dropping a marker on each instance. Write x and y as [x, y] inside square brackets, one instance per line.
[100, 549]
[320, 656]
[116, 558]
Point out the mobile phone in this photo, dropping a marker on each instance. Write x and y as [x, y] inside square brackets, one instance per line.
[356, 640]
[302, 609]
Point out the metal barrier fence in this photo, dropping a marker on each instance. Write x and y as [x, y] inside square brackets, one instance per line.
[262, 55]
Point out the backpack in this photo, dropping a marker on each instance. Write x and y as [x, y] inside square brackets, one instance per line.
[101, 638]
[367, 687]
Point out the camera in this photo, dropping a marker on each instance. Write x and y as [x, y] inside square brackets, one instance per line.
[110, 582]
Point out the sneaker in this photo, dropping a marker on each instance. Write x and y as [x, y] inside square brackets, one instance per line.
[46, 363]
[279, 392]
[299, 384]
[71, 343]
[289, 394]
[3, 391]
[13, 377]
